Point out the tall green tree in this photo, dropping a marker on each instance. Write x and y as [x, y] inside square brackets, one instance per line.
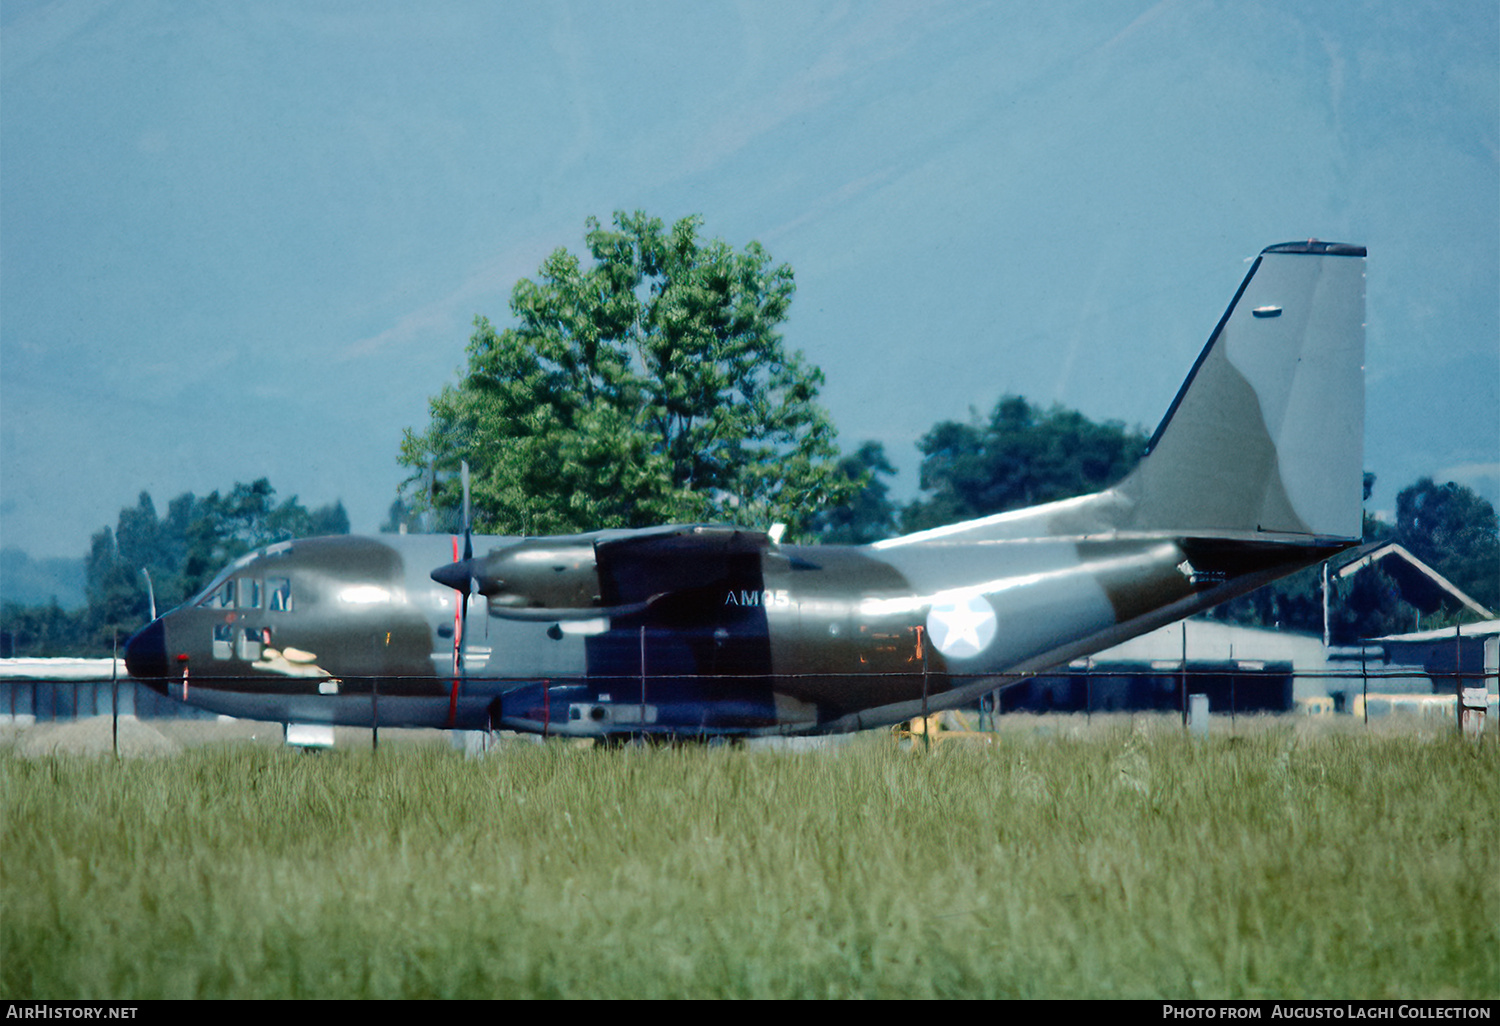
[212, 531]
[1022, 455]
[867, 514]
[1454, 530]
[648, 384]
[40, 631]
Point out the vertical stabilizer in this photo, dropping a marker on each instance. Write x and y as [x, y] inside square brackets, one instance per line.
[1267, 433]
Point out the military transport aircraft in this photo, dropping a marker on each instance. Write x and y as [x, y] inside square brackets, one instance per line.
[707, 630]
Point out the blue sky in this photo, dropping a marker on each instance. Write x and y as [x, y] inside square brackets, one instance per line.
[245, 240]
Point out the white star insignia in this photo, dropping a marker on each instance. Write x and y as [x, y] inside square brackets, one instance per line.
[963, 627]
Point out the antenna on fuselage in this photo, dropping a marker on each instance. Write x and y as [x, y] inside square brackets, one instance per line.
[150, 591]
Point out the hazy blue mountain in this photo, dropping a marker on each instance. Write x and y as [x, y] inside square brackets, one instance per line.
[36, 582]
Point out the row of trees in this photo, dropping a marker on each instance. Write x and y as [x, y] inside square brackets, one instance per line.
[1020, 455]
[169, 558]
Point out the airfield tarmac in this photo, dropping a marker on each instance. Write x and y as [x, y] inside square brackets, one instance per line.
[146, 738]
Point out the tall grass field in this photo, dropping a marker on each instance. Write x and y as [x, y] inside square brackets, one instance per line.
[1125, 860]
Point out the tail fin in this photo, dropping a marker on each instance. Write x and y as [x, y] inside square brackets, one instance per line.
[1267, 433]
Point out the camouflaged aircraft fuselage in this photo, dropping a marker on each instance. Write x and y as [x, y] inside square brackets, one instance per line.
[708, 630]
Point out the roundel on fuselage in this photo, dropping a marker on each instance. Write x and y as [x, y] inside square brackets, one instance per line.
[963, 627]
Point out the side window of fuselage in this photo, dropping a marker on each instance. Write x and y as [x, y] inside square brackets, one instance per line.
[251, 641]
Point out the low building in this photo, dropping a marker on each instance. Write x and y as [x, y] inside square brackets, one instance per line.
[1241, 669]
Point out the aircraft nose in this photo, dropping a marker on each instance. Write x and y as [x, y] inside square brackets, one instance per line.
[146, 653]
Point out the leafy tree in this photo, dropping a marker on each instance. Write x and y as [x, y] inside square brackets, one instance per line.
[41, 631]
[1293, 603]
[1021, 456]
[1453, 530]
[1367, 605]
[868, 514]
[399, 518]
[649, 385]
[116, 591]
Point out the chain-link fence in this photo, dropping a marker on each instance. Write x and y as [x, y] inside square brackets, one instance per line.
[118, 715]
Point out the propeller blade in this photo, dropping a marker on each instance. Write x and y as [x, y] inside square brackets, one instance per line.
[468, 521]
[468, 565]
[458, 577]
[458, 635]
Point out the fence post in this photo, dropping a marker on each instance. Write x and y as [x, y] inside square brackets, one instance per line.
[1364, 684]
[926, 723]
[114, 694]
[1182, 697]
[1471, 701]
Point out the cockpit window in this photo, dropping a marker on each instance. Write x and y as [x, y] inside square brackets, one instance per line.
[221, 597]
[279, 594]
[247, 595]
[219, 593]
[274, 593]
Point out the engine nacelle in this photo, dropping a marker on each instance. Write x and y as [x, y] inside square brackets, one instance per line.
[540, 573]
[535, 574]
